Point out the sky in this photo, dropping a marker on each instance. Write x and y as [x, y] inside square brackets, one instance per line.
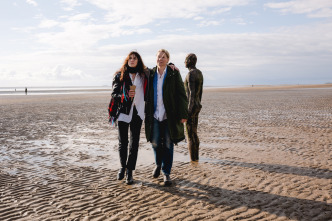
[237, 42]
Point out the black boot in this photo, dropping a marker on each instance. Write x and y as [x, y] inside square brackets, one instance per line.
[167, 180]
[156, 172]
[121, 173]
[129, 179]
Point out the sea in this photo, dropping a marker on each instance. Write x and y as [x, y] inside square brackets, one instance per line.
[69, 90]
[84, 89]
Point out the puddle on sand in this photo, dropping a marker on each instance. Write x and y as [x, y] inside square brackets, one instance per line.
[43, 155]
[210, 160]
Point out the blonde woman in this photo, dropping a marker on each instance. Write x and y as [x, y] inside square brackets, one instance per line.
[165, 112]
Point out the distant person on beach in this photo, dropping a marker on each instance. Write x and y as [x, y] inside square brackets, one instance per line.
[194, 88]
[129, 86]
[165, 113]
[26, 91]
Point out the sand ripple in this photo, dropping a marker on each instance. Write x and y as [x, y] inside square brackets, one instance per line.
[265, 155]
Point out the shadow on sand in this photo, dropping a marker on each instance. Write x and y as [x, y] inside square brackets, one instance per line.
[281, 206]
[275, 168]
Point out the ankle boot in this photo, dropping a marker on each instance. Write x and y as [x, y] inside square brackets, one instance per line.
[121, 173]
[129, 179]
[167, 180]
[156, 172]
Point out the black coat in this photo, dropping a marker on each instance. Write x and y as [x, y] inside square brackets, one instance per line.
[120, 101]
[175, 102]
[120, 93]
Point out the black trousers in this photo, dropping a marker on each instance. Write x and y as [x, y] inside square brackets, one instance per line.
[128, 160]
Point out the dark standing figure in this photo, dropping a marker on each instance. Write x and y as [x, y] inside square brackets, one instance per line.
[165, 113]
[26, 91]
[194, 88]
[128, 94]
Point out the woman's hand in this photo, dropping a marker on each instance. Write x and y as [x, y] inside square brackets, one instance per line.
[131, 93]
[173, 67]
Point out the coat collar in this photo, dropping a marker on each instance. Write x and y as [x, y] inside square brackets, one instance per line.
[170, 72]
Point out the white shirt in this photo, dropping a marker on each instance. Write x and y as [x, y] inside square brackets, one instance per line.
[138, 100]
[160, 113]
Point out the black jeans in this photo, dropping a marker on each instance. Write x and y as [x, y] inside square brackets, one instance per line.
[129, 160]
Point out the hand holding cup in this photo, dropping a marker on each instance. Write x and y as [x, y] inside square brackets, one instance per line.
[132, 91]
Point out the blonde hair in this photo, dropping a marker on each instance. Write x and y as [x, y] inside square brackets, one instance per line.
[164, 51]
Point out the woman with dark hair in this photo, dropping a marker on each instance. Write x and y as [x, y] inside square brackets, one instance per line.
[128, 95]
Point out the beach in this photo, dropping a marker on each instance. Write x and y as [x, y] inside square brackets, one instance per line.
[265, 154]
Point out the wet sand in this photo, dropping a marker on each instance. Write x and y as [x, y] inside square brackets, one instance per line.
[266, 154]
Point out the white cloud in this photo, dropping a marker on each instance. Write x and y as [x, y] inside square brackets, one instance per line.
[134, 13]
[70, 4]
[32, 2]
[198, 18]
[80, 17]
[81, 31]
[78, 35]
[322, 13]
[239, 21]
[45, 69]
[208, 23]
[85, 48]
[47, 23]
[237, 58]
[75, 36]
[317, 8]
[221, 11]
[290, 55]
[61, 72]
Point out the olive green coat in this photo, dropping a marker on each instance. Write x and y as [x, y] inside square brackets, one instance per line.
[175, 102]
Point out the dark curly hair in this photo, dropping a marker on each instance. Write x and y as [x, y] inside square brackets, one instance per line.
[140, 65]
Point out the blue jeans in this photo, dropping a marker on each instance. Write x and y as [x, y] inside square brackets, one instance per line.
[162, 146]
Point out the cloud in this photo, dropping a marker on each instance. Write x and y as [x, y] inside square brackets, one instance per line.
[81, 31]
[221, 10]
[239, 21]
[78, 35]
[290, 55]
[86, 48]
[208, 23]
[317, 8]
[63, 73]
[80, 17]
[47, 23]
[45, 73]
[137, 13]
[32, 2]
[70, 4]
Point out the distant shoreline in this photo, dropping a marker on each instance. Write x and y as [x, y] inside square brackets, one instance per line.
[268, 87]
[107, 89]
[53, 90]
